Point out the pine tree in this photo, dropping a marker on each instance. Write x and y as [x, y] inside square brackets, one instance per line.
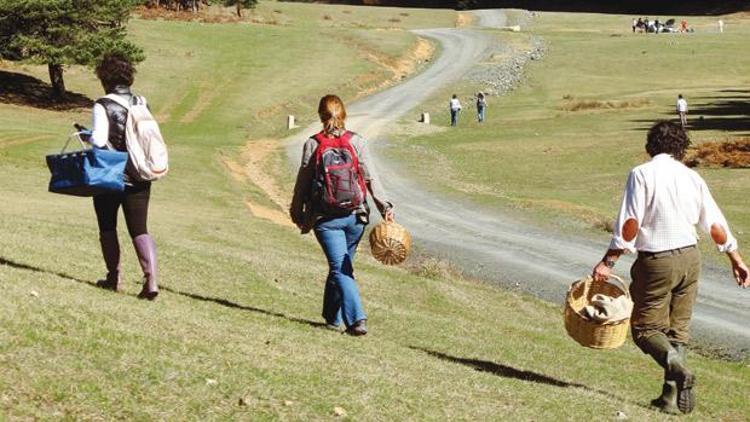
[64, 32]
[240, 4]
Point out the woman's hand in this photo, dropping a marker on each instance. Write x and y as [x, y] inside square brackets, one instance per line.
[389, 215]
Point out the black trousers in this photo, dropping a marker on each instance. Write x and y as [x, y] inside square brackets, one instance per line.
[134, 202]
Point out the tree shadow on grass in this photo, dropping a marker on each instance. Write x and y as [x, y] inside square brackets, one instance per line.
[25, 90]
[506, 371]
[728, 110]
[20, 266]
[233, 305]
[216, 300]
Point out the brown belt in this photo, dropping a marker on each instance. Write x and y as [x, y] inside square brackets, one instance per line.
[670, 252]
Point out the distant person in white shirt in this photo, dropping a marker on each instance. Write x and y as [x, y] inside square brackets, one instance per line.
[721, 26]
[663, 202]
[455, 107]
[682, 109]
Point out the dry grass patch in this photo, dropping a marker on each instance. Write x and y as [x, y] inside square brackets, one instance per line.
[572, 104]
[207, 15]
[434, 268]
[730, 154]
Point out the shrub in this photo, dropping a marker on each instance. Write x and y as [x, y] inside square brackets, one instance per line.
[729, 154]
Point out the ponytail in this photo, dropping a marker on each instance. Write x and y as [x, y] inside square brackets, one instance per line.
[332, 114]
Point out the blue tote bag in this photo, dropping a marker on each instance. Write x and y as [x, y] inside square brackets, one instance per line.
[88, 172]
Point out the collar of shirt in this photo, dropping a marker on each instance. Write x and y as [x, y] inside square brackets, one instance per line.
[662, 156]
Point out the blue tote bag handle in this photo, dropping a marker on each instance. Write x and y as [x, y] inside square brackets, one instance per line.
[77, 135]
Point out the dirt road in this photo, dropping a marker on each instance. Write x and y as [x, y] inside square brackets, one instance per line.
[484, 242]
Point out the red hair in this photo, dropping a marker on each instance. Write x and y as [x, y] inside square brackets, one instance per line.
[332, 113]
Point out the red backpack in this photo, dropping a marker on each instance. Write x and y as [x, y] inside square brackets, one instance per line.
[339, 184]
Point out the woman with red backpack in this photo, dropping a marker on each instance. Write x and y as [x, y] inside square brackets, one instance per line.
[330, 198]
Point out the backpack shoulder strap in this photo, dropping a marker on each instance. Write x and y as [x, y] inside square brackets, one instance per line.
[319, 137]
[346, 137]
[119, 100]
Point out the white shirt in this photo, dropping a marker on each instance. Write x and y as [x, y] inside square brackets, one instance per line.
[668, 200]
[455, 104]
[681, 105]
[100, 127]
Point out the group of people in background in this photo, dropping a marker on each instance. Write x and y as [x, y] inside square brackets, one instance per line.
[456, 108]
[656, 26]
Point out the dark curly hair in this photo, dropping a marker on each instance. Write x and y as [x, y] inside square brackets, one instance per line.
[115, 69]
[667, 138]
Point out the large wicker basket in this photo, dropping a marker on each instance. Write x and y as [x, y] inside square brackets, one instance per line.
[390, 243]
[588, 332]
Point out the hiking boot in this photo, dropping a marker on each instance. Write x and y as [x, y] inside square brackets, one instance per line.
[667, 402]
[146, 251]
[111, 254]
[358, 329]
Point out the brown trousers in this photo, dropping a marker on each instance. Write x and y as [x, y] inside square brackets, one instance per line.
[664, 290]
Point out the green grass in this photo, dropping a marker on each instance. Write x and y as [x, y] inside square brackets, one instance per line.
[567, 168]
[234, 334]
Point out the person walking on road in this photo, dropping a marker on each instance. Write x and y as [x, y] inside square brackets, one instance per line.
[682, 109]
[116, 74]
[330, 198]
[663, 202]
[481, 107]
[455, 107]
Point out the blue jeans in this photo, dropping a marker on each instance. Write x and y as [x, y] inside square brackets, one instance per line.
[480, 114]
[339, 238]
[454, 117]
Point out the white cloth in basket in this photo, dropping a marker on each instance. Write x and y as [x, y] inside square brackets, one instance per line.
[605, 309]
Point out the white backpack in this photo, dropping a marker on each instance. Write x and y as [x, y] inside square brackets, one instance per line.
[146, 147]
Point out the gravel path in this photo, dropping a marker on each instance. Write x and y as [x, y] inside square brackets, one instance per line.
[486, 243]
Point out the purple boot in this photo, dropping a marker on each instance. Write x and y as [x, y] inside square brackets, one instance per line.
[111, 254]
[146, 251]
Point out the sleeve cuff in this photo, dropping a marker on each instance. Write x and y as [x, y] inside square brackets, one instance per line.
[618, 243]
[730, 246]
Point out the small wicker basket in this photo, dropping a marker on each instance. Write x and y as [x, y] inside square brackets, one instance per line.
[390, 243]
[587, 332]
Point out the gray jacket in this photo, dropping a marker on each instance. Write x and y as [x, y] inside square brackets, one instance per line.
[304, 213]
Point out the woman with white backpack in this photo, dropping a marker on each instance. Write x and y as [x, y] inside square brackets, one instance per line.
[113, 128]
[330, 198]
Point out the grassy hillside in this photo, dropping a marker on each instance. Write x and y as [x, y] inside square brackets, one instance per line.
[237, 333]
[560, 146]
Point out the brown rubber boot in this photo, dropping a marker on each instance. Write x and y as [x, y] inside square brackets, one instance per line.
[111, 253]
[667, 402]
[146, 251]
[675, 367]
[684, 378]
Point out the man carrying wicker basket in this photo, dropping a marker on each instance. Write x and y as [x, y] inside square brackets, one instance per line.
[663, 202]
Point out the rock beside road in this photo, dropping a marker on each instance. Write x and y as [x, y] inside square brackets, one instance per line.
[503, 77]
